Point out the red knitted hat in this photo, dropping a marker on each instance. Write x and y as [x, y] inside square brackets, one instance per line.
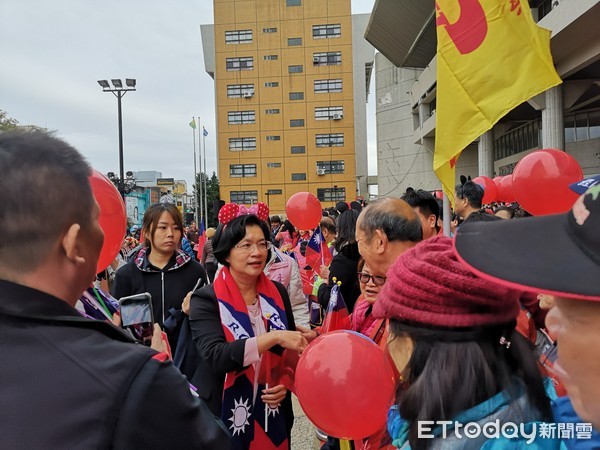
[427, 285]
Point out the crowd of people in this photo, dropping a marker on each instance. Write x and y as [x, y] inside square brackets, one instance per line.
[472, 322]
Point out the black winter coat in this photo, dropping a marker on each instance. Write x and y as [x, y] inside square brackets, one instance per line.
[71, 382]
[344, 268]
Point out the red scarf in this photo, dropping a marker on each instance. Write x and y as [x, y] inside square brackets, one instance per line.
[246, 421]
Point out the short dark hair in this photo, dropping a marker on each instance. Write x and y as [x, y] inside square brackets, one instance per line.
[41, 177]
[392, 216]
[152, 216]
[275, 219]
[450, 371]
[328, 224]
[509, 210]
[423, 200]
[472, 192]
[346, 228]
[233, 232]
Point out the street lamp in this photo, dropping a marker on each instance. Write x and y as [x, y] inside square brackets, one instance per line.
[119, 91]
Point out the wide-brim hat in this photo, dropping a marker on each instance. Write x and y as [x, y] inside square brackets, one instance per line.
[557, 254]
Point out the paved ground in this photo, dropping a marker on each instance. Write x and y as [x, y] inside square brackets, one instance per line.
[303, 433]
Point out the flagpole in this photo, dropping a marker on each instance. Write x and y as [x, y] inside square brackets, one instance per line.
[205, 180]
[200, 162]
[195, 178]
[446, 214]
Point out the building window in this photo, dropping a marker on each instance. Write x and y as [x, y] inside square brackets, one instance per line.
[336, 194]
[298, 177]
[293, 2]
[298, 149]
[243, 197]
[269, 30]
[234, 64]
[329, 113]
[294, 41]
[327, 59]
[272, 84]
[330, 166]
[273, 165]
[242, 144]
[271, 111]
[274, 192]
[323, 86]
[242, 170]
[295, 69]
[241, 117]
[330, 140]
[271, 57]
[327, 31]
[296, 95]
[238, 37]
[240, 90]
[297, 123]
[273, 138]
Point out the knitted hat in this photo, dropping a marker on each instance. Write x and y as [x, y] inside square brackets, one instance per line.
[428, 286]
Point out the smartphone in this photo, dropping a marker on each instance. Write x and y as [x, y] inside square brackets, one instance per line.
[137, 317]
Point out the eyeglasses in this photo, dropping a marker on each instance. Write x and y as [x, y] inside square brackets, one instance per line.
[377, 280]
[247, 247]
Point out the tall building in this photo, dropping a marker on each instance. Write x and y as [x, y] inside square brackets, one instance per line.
[566, 117]
[291, 81]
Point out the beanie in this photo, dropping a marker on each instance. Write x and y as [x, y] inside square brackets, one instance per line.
[428, 286]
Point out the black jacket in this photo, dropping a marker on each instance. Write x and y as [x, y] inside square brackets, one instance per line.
[173, 282]
[344, 268]
[217, 356]
[70, 382]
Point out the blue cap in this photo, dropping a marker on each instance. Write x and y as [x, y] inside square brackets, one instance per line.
[134, 228]
[582, 186]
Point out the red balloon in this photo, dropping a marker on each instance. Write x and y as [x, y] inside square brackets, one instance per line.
[505, 190]
[113, 218]
[541, 182]
[490, 191]
[345, 385]
[304, 211]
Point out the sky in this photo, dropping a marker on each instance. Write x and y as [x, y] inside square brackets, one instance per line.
[53, 52]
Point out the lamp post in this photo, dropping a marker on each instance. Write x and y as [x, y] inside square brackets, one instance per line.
[119, 91]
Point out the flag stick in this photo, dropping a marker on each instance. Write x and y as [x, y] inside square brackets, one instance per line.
[195, 178]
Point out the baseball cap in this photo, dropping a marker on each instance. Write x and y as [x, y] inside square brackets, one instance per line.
[556, 254]
[134, 228]
[582, 186]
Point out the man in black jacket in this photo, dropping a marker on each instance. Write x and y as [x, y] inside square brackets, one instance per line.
[66, 381]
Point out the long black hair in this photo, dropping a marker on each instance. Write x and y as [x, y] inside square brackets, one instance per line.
[450, 371]
[346, 229]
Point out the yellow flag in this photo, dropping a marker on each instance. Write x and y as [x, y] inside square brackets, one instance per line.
[491, 57]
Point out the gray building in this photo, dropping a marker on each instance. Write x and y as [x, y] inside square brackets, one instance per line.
[566, 117]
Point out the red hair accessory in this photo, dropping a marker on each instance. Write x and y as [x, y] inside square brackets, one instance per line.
[232, 210]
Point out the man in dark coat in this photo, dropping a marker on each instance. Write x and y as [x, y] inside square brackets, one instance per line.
[68, 381]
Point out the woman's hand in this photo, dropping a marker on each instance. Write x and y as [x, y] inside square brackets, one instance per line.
[157, 342]
[309, 335]
[274, 395]
[324, 273]
[293, 340]
[185, 306]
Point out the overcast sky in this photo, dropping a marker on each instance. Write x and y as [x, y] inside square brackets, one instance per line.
[53, 52]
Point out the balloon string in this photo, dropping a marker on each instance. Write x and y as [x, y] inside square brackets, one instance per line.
[101, 302]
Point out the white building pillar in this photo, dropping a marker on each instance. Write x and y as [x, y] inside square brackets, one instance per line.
[553, 124]
[485, 153]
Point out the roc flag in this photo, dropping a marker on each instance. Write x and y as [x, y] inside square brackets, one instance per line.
[491, 57]
[337, 316]
[193, 123]
[201, 240]
[317, 252]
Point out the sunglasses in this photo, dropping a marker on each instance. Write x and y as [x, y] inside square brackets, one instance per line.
[377, 280]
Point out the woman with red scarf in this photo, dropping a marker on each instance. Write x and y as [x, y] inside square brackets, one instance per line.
[240, 322]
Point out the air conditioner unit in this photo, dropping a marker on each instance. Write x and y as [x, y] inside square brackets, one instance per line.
[320, 171]
[338, 116]
[316, 60]
[247, 94]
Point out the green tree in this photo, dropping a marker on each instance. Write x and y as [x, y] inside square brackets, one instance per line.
[212, 194]
[7, 123]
